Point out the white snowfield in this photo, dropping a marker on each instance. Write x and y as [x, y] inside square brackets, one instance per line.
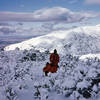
[81, 40]
[90, 56]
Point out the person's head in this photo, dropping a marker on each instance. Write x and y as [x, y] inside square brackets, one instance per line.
[55, 51]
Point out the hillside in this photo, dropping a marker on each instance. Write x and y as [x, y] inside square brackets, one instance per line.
[81, 40]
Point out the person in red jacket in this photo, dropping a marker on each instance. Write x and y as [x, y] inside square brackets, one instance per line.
[54, 60]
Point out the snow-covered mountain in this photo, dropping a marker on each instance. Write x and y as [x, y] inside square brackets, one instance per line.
[81, 40]
[77, 78]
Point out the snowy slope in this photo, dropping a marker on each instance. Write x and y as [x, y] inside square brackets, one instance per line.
[81, 40]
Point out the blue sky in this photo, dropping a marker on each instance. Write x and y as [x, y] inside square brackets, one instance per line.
[31, 5]
[36, 17]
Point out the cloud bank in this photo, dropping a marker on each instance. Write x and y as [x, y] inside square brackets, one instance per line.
[18, 29]
[55, 14]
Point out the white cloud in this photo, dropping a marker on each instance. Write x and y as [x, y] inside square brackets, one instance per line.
[7, 29]
[55, 14]
[21, 29]
[97, 2]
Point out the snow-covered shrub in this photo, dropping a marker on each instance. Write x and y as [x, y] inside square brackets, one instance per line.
[76, 78]
[11, 94]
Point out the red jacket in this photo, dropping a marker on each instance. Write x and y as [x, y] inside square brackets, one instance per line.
[54, 59]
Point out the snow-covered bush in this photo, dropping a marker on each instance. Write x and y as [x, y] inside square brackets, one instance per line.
[76, 78]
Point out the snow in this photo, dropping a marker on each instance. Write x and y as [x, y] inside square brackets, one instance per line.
[90, 56]
[27, 80]
[95, 88]
[78, 77]
[72, 40]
